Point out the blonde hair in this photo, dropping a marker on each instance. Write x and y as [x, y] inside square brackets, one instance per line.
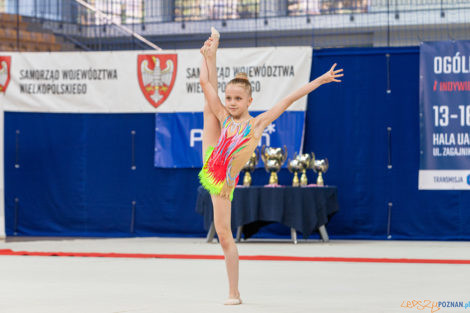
[242, 79]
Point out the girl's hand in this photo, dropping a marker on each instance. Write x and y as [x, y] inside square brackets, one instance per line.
[331, 75]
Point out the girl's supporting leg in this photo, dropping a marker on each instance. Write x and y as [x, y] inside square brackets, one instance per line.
[222, 210]
[211, 131]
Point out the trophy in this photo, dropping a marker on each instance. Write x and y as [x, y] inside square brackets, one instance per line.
[273, 159]
[307, 161]
[320, 167]
[295, 166]
[249, 167]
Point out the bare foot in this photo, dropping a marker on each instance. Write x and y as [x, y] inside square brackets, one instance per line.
[211, 44]
[207, 50]
[233, 301]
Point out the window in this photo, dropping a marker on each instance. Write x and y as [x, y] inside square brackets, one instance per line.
[303, 7]
[310, 7]
[190, 10]
[120, 11]
[344, 6]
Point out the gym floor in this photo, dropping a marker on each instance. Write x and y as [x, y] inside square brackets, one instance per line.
[178, 275]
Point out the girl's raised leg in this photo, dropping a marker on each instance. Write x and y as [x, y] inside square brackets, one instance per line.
[211, 130]
[222, 211]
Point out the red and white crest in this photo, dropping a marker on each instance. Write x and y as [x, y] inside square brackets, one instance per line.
[5, 63]
[156, 74]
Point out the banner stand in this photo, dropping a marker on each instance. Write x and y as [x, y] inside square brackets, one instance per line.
[444, 116]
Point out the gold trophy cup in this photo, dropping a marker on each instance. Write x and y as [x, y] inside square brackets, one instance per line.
[320, 167]
[295, 166]
[307, 161]
[249, 167]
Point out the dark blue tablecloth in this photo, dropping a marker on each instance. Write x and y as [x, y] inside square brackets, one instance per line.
[303, 208]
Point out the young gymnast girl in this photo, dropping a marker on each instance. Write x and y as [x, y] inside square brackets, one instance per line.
[230, 136]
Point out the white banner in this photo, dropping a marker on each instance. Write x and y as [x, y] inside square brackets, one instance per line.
[444, 179]
[144, 81]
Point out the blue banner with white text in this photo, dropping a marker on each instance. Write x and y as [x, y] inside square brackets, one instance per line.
[178, 137]
[445, 115]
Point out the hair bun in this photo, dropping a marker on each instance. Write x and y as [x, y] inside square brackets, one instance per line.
[241, 75]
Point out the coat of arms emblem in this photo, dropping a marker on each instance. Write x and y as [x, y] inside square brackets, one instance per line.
[156, 75]
[5, 63]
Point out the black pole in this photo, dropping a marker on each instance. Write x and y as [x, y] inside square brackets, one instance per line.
[132, 228]
[15, 232]
[389, 221]
[133, 166]
[17, 149]
[389, 87]
[389, 144]
[18, 25]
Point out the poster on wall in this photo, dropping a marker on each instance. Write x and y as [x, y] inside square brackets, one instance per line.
[143, 81]
[178, 140]
[444, 115]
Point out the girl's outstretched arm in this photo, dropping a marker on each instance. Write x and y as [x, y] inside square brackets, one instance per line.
[272, 114]
[210, 92]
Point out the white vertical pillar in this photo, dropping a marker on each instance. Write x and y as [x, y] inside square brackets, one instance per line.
[2, 188]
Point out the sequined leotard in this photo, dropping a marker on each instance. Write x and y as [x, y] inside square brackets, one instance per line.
[223, 163]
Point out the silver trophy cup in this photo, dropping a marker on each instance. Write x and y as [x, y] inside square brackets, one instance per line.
[273, 159]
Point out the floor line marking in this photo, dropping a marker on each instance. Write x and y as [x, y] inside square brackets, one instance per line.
[242, 257]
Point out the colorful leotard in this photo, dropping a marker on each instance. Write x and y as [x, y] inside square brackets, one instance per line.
[223, 163]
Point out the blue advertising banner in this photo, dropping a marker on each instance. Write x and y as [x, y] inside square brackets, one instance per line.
[445, 115]
[178, 137]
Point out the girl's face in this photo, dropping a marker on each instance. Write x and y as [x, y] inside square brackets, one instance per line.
[237, 99]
